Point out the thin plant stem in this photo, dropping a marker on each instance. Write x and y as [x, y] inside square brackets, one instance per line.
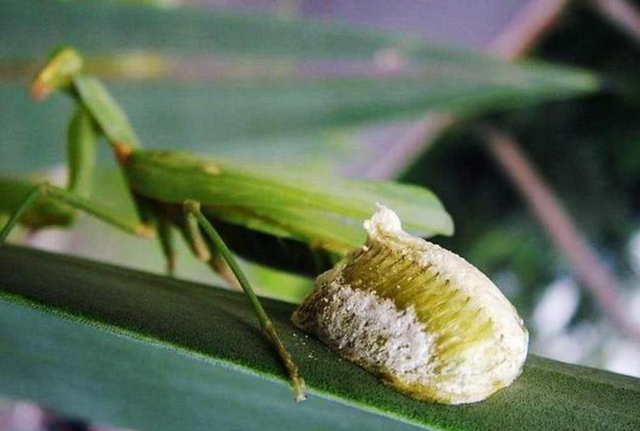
[534, 20]
[623, 14]
[556, 221]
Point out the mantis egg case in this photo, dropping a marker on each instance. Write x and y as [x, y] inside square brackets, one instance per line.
[426, 321]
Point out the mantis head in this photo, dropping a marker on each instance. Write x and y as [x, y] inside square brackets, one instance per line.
[61, 67]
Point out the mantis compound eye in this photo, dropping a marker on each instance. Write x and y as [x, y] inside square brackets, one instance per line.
[61, 67]
[420, 317]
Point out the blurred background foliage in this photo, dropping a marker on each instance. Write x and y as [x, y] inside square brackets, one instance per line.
[587, 148]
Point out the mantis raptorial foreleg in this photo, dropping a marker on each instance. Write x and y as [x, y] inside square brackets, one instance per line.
[194, 215]
[76, 202]
[82, 140]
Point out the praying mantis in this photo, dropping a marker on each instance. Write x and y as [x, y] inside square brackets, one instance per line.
[185, 193]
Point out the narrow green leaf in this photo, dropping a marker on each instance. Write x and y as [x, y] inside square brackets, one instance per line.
[202, 115]
[170, 114]
[147, 352]
[102, 27]
[31, 148]
[107, 26]
[34, 26]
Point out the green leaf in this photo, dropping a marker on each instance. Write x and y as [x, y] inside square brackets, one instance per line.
[106, 26]
[188, 124]
[201, 115]
[141, 351]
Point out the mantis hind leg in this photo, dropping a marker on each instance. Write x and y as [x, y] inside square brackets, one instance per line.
[193, 213]
[76, 202]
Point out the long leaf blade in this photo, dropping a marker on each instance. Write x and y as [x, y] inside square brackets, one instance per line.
[188, 356]
[205, 115]
[202, 115]
[107, 25]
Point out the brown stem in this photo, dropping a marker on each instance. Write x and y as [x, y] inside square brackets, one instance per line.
[623, 14]
[561, 229]
[534, 20]
[415, 142]
[528, 26]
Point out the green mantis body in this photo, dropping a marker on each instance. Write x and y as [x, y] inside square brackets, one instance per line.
[178, 192]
